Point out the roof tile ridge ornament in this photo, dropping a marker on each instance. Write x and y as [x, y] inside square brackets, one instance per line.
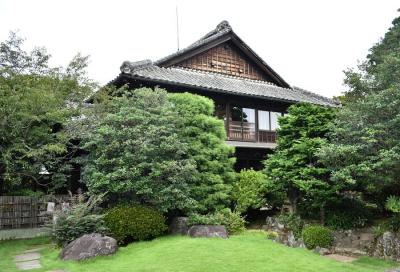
[129, 66]
[224, 25]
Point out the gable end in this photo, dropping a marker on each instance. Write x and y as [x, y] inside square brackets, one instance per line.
[227, 59]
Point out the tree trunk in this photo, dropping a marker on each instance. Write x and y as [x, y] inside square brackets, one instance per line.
[322, 214]
[293, 196]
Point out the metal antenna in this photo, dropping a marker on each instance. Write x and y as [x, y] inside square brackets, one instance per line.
[177, 27]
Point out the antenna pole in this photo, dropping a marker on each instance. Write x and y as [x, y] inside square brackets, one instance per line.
[177, 27]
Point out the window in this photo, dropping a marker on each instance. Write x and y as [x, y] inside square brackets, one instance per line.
[249, 115]
[274, 120]
[268, 120]
[220, 111]
[263, 120]
[242, 125]
[236, 114]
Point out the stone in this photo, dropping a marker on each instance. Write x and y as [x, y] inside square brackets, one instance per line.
[208, 231]
[393, 270]
[387, 247]
[27, 257]
[89, 246]
[322, 251]
[28, 265]
[179, 225]
[34, 250]
[350, 251]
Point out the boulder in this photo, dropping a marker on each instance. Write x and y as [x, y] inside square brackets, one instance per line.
[387, 246]
[179, 225]
[208, 231]
[89, 246]
[322, 250]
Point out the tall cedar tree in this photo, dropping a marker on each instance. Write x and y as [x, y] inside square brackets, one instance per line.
[294, 167]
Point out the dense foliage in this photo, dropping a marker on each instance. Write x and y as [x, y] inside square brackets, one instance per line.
[205, 137]
[248, 190]
[82, 218]
[166, 150]
[134, 223]
[294, 168]
[36, 103]
[135, 151]
[317, 236]
[233, 221]
[364, 153]
[292, 222]
[349, 213]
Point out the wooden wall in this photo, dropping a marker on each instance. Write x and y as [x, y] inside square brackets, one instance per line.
[27, 212]
[225, 59]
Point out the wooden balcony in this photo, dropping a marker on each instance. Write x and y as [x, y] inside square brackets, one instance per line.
[247, 132]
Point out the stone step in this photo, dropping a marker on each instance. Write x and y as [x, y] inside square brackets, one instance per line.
[349, 251]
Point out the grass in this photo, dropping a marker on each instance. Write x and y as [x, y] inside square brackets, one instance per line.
[250, 252]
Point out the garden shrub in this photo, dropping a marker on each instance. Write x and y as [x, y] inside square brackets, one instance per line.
[317, 235]
[348, 214]
[393, 205]
[272, 235]
[293, 222]
[248, 190]
[393, 224]
[233, 222]
[78, 220]
[134, 223]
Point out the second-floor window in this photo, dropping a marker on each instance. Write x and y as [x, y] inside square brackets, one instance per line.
[268, 120]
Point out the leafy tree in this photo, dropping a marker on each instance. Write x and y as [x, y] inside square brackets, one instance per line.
[135, 150]
[381, 69]
[249, 190]
[205, 137]
[36, 102]
[294, 167]
[364, 153]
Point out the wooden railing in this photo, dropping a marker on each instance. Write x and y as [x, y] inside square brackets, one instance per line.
[242, 132]
[247, 132]
[266, 136]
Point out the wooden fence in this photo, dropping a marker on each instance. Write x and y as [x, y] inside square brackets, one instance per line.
[27, 212]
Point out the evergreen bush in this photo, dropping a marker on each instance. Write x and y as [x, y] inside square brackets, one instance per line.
[233, 222]
[134, 223]
[317, 236]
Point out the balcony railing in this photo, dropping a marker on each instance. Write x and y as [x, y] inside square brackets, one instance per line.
[246, 132]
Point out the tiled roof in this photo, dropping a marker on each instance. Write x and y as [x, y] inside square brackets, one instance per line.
[146, 70]
[221, 29]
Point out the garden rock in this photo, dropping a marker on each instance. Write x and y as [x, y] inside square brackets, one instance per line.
[179, 225]
[287, 238]
[208, 231]
[360, 239]
[322, 251]
[88, 246]
[387, 246]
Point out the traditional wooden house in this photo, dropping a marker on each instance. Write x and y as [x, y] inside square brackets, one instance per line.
[248, 94]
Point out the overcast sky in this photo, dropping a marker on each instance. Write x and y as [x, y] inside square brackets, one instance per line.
[309, 42]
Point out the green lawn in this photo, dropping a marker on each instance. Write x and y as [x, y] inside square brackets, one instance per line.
[247, 252]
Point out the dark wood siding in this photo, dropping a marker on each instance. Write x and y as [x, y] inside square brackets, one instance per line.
[225, 59]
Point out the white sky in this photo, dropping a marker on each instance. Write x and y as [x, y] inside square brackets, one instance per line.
[309, 42]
